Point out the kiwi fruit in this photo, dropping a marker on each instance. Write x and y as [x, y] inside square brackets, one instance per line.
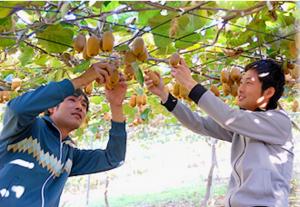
[107, 41]
[138, 46]
[215, 90]
[154, 76]
[79, 43]
[92, 46]
[174, 59]
[132, 101]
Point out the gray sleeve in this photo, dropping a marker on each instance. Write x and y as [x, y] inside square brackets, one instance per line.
[200, 125]
[272, 126]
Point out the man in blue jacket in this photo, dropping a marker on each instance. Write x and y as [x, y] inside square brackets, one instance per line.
[36, 153]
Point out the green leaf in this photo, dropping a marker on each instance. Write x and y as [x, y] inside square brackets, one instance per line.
[122, 48]
[5, 24]
[97, 99]
[82, 66]
[138, 73]
[188, 41]
[55, 38]
[41, 60]
[145, 16]
[26, 55]
[4, 12]
[145, 114]
[6, 42]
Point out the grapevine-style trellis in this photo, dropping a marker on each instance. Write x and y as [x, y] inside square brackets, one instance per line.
[36, 42]
[37, 39]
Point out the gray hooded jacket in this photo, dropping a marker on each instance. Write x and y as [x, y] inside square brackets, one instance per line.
[261, 152]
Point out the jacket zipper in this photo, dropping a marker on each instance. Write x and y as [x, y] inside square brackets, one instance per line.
[235, 170]
[52, 174]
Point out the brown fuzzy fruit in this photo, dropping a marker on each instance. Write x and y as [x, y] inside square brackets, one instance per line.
[234, 89]
[143, 56]
[129, 58]
[215, 90]
[79, 43]
[176, 89]
[108, 41]
[129, 72]
[141, 100]
[84, 53]
[113, 79]
[107, 116]
[138, 46]
[92, 46]
[16, 84]
[183, 92]
[89, 88]
[226, 89]
[225, 76]
[4, 96]
[174, 59]
[154, 76]
[295, 106]
[235, 74]
[132, 101]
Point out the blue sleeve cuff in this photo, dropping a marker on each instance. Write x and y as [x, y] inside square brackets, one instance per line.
[170, 103]
[66, 88]
[197, 92]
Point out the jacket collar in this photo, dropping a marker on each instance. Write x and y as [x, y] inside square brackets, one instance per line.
[51, 124]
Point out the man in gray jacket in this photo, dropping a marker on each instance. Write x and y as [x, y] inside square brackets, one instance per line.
[261, 135]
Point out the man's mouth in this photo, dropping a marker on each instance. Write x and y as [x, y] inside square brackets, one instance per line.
[240, 98]
[77, 115]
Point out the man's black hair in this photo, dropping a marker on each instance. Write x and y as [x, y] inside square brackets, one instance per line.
[78, 92]
[270, 74]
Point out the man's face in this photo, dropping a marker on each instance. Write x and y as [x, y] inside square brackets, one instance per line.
[250, 93]
[70, 113]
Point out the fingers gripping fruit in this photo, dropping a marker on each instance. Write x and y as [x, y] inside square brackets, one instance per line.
[154, 76]
[113, 79]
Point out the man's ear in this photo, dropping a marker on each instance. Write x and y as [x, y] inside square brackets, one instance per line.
[269, 92]
[51, 111]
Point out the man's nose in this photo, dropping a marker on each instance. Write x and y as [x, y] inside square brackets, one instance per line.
[79, 106]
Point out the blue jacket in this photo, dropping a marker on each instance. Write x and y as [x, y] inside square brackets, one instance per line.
[34, 162]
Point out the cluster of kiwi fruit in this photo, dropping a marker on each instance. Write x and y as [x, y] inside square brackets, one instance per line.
[179, 90]
[230, 79]
[138, 51]
[93, 45]
[113, 78]
[138, 100]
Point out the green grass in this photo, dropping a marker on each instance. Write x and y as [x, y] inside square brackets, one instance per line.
[192, 194]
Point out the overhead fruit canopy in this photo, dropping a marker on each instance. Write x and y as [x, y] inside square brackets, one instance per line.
[48, 41]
